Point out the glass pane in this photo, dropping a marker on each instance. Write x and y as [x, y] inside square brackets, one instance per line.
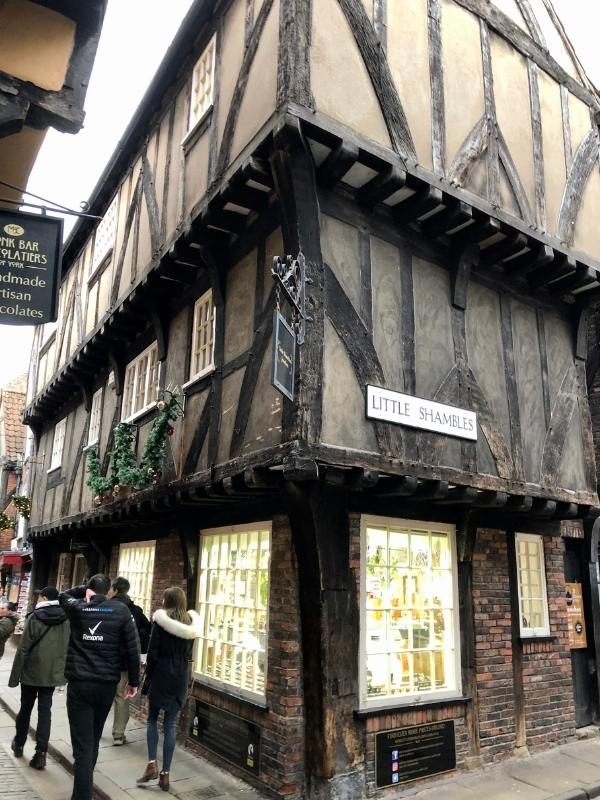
[419, 550]
[421, 629]
[400, 673]
[377, 674]
[376, 547]
[398, 549]
[440, 552]
[440, 670]
[423, 676]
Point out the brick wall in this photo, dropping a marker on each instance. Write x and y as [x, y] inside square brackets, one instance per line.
[493, 651]
[547, 675]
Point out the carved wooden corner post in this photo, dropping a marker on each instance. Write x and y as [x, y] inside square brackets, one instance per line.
[294, 175]
[591, 528]
[466, 535]
[330, 623]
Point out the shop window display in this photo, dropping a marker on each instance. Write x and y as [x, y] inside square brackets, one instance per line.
[409, 641]
[233, 596]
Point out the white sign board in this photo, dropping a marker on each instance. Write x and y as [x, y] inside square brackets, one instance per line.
[404, 409]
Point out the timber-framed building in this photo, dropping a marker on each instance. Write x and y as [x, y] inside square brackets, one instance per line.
[436, 163]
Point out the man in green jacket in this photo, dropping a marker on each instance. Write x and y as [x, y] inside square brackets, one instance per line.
[39, 667]
[8, 622]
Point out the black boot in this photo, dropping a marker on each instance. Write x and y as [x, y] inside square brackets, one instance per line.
[18, 751]
[39, 760]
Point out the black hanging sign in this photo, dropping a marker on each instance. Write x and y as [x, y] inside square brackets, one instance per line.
[284, 356]
[233, 738]
[406, 754]
[30, 257]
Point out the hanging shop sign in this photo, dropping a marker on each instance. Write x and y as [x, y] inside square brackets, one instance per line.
[30, 257]
[414, 412]
[406, 754]
[284, 356]
[575, 616]
[233, 738]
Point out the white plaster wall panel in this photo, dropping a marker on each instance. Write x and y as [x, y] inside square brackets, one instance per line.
[239, 306]
[553, 148]
[579, 119]
[387, 304]
[586, 227]
[196, 172]
[229, 402]
[340, 248]
[434, 346]
[571, 473]
[559, 350]
[230, 57]
[264, 421]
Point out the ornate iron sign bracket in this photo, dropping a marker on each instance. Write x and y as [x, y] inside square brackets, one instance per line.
[289, 274]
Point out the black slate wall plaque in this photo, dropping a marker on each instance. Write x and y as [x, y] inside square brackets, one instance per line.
[233, 738]
[406, 754]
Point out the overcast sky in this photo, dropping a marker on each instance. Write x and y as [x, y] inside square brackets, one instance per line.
[135, 35]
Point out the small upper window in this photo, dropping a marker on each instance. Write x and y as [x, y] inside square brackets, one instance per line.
[58, 444]
[201, 98]
[141, 382]
[104, 241]
[531, 577]
[95, 415]
[203, 337]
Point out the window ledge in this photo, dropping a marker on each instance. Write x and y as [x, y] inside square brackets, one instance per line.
[89, 446]
[192, 136]
[364, 713]
[193, 381]
[229, 695]
[542, 638]
[53, 469]
[93, 276]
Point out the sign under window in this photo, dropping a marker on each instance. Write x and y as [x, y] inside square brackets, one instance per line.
[233, 600]
[30, 259]
[409, 638]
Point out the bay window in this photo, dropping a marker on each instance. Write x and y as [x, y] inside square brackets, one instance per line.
[233, 601]
[409, 643]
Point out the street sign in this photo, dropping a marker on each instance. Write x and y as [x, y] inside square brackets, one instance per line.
[284, 356]
[30, 258]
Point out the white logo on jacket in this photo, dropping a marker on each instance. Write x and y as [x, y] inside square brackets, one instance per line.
[91, 636]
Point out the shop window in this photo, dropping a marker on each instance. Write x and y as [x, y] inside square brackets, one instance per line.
[531, 579]
[203, 337]
[409, 644]
[203, 77]
[80, 570]
[104, 240]
[233, 602]
[136, 563]
[141, 383]
[95, 416]
[58, 444]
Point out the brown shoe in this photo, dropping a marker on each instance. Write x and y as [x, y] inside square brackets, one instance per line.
[163, 781]
[150, 773]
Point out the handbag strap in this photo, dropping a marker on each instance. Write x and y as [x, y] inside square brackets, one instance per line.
[37, 641]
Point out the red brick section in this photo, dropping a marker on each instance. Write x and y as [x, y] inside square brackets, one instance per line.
[493, 650]
[547, 675]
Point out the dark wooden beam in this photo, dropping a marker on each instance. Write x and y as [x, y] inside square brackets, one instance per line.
[509, 246]
[418, 204]
[337, 164]
[382, 186]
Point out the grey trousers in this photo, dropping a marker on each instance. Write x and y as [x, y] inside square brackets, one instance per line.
[121, 708]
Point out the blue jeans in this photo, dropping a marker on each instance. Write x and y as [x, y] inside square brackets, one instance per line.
[169, 729]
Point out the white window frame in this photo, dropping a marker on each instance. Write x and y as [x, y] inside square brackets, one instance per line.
[544, 630]
[197, 114]
[95, 418]
[132, 384]
[195, 351]
[231, 688]
[408, 699]
[146, 551]
[61, 575]
[104, 237]
[58, 444]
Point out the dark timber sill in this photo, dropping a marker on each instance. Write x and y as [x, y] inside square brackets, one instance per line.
[365, 713]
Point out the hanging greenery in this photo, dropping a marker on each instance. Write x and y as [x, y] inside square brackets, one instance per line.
[124, 468]
[23, 505]
[6, 521]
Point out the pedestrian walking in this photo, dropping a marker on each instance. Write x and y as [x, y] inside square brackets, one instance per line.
[167, 677]
[39, 666]
[8, 623]
[119, 591]
[101, 631]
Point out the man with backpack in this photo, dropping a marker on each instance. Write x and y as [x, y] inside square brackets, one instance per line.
[39, 666]
[119, 591]
[102, 633]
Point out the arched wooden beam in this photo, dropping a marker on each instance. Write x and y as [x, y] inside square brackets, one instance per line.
[514, 179]
[193, 454]
[250, 380]
[583, 163]
[381, 77]
[360, 350]
[79, 455]
[562, 412]
[149, 190]
[469, 153]
[240, 88]
[495, 438]
[131, 214]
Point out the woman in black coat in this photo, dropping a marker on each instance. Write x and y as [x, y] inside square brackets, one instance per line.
[169, 653]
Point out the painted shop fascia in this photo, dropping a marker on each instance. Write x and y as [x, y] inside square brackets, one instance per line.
[367, 586]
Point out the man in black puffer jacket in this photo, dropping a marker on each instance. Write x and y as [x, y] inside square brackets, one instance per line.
[102, 630]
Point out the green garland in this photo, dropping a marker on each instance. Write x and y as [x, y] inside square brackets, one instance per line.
[124, 468]
[23, 505]
[6, 521]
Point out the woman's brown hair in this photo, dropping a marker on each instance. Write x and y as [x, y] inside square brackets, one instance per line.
[175, 604]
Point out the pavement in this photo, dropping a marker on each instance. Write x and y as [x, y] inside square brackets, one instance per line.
[568, 772]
